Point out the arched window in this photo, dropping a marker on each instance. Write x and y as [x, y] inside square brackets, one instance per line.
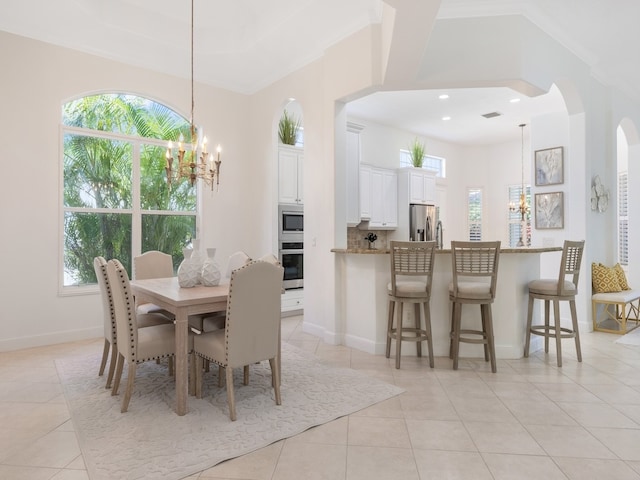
[116, 202]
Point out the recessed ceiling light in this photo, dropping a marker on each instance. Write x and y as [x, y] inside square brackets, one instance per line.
[514, 100]
[444, 96]
[446, 118]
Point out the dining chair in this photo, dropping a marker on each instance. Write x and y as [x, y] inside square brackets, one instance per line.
[135, 345]
[562, 289]
[236, 260]
[152, 264]
[109, 320]
[475, 276]
[252, 328]
[411, 279]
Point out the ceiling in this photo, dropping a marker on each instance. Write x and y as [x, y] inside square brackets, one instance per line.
[245, 45]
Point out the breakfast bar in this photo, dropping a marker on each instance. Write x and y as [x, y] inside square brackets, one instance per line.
[365, 273]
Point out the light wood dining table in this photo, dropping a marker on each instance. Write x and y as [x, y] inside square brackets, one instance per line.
[182, 302]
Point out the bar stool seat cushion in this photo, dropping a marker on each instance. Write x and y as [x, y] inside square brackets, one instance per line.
[408, 287]
[474, 290]
[548, 286]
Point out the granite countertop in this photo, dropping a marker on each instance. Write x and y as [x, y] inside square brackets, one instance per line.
[380, 251]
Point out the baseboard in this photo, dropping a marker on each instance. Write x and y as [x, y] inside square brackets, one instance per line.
[18, 343]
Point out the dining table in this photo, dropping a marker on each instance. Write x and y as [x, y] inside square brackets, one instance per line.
[181, 302]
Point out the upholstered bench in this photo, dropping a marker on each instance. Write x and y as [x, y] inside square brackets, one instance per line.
[613, 307]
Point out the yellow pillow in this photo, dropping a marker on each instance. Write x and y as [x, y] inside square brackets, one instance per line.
[622, 277]
[604, 279]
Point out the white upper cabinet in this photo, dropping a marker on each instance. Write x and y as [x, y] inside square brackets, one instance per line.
[379, 190]
[421, 185]
[290, 174]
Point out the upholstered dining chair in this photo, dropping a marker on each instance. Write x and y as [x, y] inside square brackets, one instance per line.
[411, 278]
[475, 276]
[152, 264]
[135, 345]
[251, 332]
[562, 289]
[109, 320]
[236, 260]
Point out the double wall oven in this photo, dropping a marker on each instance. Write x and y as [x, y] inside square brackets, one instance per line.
[291, 244]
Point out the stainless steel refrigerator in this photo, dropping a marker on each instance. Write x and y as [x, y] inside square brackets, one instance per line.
[423, 220]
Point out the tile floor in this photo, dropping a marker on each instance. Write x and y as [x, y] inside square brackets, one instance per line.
[531, 420]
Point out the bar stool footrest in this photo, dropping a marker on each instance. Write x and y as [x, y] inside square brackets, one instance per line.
[549, 331]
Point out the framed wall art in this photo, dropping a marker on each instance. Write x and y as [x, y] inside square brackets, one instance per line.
[549, 166]
[549, 208]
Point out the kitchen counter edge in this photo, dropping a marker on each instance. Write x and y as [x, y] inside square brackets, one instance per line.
[381, 251]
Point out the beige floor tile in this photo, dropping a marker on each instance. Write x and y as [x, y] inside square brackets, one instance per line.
[539, 413]
[26, 473]
[517, 391]
[439, 464]
[567, 392]
[390, 408]
[503, 438]
[615, 393]
[379, 463]
[42, 417]
[258, 465]
[482, 410]
[71, 475]
[597, 415]
[423, 407]
[332, 433]
[440, 435]
[522, 467]
[595, 469]
[378, 432]
[55, 450]
[565, 441]
[306, 460]
[621, 441]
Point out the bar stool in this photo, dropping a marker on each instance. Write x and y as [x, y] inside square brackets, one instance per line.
[475, 274]
[560, 290]
[411, 275]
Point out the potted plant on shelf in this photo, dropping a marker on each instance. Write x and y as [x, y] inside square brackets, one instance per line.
[288, 128]
[417, 151]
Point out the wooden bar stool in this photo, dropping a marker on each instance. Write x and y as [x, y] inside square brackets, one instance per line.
[556, 291]
[411, 275]
[475, 274]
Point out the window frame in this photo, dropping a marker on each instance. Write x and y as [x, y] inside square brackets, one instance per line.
[470, 223]
[513, 218]
[622, 218]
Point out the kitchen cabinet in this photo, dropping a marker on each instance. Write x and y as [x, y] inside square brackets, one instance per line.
[421, 185]
[292, 300]
[290, 174]
[379, 192]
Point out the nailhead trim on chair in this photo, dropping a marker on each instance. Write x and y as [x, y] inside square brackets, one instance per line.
[112, 311]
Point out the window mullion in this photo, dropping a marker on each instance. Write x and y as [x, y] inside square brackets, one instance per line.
[136, 220]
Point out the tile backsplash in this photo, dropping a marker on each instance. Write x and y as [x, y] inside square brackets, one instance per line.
[356, 238]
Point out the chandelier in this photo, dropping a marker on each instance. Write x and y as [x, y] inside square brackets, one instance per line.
[196, 163]
[523, 207]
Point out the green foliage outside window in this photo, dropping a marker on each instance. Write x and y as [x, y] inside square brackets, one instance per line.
[106, 147]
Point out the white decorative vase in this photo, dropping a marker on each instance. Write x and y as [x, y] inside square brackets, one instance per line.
[188, 271]
[211, 274]
[197, 258]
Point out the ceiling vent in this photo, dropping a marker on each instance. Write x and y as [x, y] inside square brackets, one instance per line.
[491, 114]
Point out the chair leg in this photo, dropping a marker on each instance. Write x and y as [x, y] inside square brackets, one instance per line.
[116, 382]
[574, 320]
[488, 318]
[527, 331]
[131, 377]
[546, 326]
[171, 369]
[427, 327]
[418, 328]
[245, 379]
[485, 337]
[390, 327]
[275, 375]
[230, 397]
[457, 318]
[112, 365]
[192, 373]
[399, 334]
[558, 331]
[199, 368]
[105, 354]
[220, 372]
[452, 330]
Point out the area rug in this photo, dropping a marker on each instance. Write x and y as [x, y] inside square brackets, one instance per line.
[631, 338]
[150, 441]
